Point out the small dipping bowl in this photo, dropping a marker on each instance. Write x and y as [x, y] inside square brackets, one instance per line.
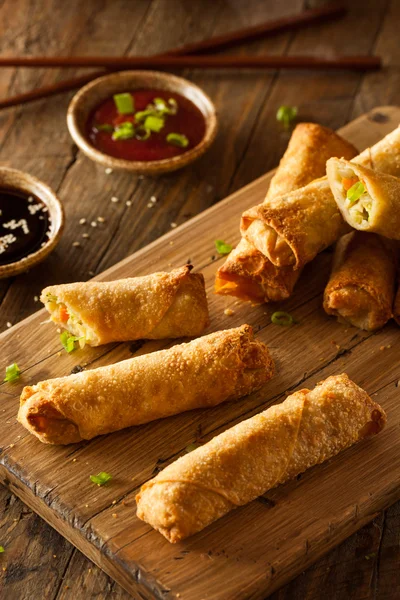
[92, 95]
[20, 183]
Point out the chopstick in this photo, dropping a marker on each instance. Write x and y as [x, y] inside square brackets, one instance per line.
[363, 63]
[291, 22]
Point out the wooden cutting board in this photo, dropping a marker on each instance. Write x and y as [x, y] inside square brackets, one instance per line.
[257, 548]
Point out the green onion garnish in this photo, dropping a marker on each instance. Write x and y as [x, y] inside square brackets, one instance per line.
[142, 114]
[12, 373]
[142, 134]
[222, 247]
[104, 127]
[192, 447]
[1, 549]
[282, 318]
[177, 139]
[100, 478]
[162, 107]
[124, 131]
[154, 123]
[124, 103]
[355, 192]
[68, 341]
[286, 114]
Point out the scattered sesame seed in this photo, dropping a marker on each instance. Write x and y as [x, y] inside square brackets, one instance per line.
[9, 324]
[36, 298]
[93, 224]
[58, 330]
[173, 225]
[87, 505]
[91, 273]
[150, 205]
[59, 353]
[54, 555]
[101, 219]
[114, 502]
[108, 170]
[114, 199]
[82, 221]
[114, 515]
[89, 570]
[171, 243]
[153, 199]
[76, 244]
[128, 203]
[11, 446]
[74, 460]
[85, 235]
[229, 312]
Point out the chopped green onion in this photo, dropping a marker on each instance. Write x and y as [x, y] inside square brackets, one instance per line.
[161, 106]
[355, 192]
[12, 373]
[177, 139]
[222, 247]
[124, 103]
[124, 131]
[1, 549]
[142, 134]
[154, 123]
[192, 447]
[68, 341]
[100, 478]
[286, 114]
[104, 127]
[142, 114]
[282, 318]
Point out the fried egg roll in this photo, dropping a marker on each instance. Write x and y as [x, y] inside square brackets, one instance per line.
[242, 463]
[360, 290]
[247, 273]
[204, 372]
[293, 228]
[368, 200]
[156, 306]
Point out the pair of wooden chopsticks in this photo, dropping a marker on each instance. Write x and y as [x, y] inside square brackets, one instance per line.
[181, 57]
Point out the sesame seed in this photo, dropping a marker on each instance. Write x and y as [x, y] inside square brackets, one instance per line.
[36, 298]
[76, 244]
[150, 205]
[54, 555]
[114, 515]
[114, 199]
[101, 219]
[114, 502]
[93, 224]
[171, 243]
[58, 353]
[9, 324]
[108, 170]
[58, 330]
[128, 203]
[91, 273]
[82, 221]
[85, 235]
[229, 312]
[153, 199]
[173, 225]
[74, 460]
[86, 505]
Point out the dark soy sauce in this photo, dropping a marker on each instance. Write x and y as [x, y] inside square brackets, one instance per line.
[24, 225]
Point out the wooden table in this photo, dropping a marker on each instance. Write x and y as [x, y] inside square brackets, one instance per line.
[38, 562]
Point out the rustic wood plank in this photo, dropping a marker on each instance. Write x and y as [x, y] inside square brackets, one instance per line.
[121, 544]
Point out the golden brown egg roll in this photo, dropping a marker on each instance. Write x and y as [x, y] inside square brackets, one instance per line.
[156, 306]
[204, 372]
[361, 286]
[247, 273]
[256, 455]
[368, 200]
[291, 231]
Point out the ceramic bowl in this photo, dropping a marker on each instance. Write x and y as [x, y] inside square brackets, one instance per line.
[95, 92]
[12, 179]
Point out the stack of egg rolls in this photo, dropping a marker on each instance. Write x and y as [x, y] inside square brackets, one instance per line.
[204, 372]
[156, 306]
[248, 273]
[293, 228]
[256, 455]
[361, 286]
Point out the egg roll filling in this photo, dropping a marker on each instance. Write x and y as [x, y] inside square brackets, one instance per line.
[358, 201]
[63, 315]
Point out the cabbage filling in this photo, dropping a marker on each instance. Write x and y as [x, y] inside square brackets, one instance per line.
[62, 315]
[357, 199]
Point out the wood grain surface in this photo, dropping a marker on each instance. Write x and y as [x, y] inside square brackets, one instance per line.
[250, 142]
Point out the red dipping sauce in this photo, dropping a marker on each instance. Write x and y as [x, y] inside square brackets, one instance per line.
[188, 121]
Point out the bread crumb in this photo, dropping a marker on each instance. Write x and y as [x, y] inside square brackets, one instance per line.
[82, 221]
[114, 515]
[229, 312]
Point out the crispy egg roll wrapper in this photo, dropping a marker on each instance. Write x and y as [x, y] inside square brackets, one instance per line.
[361, 286]
[156, 306]
[378, 209]
[242, 463]
[247, 273]
[290, 231]
[204, 372]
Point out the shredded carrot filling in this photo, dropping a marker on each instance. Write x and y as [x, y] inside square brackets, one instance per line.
[64, 314]
[348, 182]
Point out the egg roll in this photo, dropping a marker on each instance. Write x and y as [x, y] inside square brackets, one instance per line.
[368, 200]
[204, 372]
[156, 306]
[256, 455]
[247, 273]
[360, 290]
[294, 227]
